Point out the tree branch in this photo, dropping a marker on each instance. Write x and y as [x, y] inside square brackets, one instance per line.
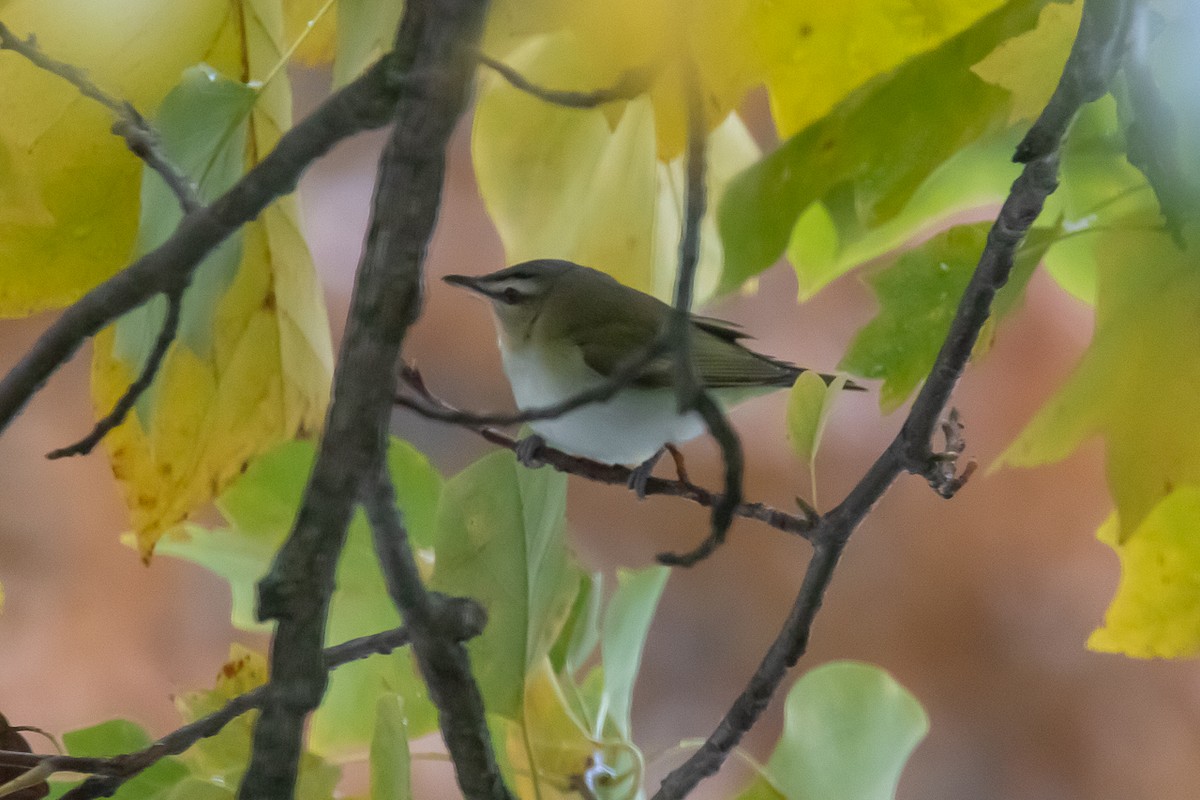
[115, 417]
[437, 39]
[443, 661]
[139, 135]
[363, 104]
[111, 772]
[598, 471]
[631, 84]
[1101, 48]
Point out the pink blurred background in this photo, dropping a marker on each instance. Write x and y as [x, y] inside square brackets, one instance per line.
[980, 606]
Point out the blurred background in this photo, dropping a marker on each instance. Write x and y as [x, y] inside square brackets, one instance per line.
[980, 606]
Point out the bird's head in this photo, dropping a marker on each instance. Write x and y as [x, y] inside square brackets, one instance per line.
[519, 293]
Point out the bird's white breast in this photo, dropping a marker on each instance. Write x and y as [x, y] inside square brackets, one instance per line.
[627, 429]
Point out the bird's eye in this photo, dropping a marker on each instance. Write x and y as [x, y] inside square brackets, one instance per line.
[510, 296]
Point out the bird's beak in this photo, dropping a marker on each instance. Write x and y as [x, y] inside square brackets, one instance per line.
[465, 281]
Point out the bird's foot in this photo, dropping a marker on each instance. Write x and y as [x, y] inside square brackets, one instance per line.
[527, 451]
[640, 475]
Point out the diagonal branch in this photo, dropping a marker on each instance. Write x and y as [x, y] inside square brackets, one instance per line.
[598, 471]
[109, 773]
[115, 417]
[139, 135]
[1101, 47]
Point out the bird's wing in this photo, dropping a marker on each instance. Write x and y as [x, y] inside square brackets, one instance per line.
[720, 360]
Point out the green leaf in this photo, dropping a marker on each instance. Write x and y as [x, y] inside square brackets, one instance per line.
[866, 158]
[809, 403]
[260, 509]
[918, 297]
[120, 736]
[391, 762]
[501, 540]
[365, 30]
[848, 730]
[623, 635]
[581, 633]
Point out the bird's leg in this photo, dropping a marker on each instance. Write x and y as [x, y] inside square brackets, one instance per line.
[526, 449]
[680, 467]
[640, 475]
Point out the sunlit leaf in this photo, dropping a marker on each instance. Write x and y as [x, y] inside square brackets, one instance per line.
[1138, 385]
[869, 155]
[1156, 610]
[809, 404]
[260, 508]
[623, 635]
[252, 361]
[563, 183]
[550, 744]
[501, 540]
[391, 761]
[848, 730]
[918, 297]
[68, 187]
[1029, 65]
[312, 25]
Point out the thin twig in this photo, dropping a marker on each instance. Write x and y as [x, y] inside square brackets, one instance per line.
[598, 471]
[112, 771]
[115, 417]
[910, 450]
[621, 377]
[690, 391]
[139, 135]
[631, 84]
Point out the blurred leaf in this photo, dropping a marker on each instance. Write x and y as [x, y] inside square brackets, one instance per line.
[119, 736]
[501, 540]
[565, 183]
[581, 632]
[848, 730]
[260, 508]
[918, 297]
[365, 31]
[314, 24]
[1138, 384]
[549, 744]
[1029, 65]
[252, 362]
[850, 159]
[68, 187]
[809, 404]
[1156, 610]
[623, 635]
[13, 741]
[391, 761]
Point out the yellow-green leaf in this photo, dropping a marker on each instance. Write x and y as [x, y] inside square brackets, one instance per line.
[1029, 65]
[251, 364]
[563, 183]
[1138, 385]
[68, 186]
[809, 404]
[1156, 611]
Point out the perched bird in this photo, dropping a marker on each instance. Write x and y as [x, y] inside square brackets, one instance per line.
[564, 328]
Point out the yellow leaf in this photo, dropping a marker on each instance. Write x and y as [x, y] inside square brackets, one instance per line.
[311, 25]
[1156, 611]
[69, 214]
[1138, 385]
[549, 745]
[563, 183]
[836, 47]
[1029, 65]
[809, 404]
[250, 367]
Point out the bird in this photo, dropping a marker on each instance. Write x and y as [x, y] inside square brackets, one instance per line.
[564, 328]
